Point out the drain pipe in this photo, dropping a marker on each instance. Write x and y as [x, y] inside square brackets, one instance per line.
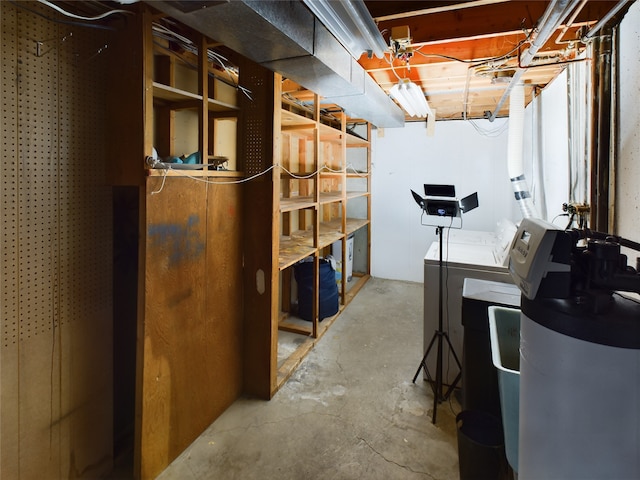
[591, 33]
[551, 19]
[515, 163]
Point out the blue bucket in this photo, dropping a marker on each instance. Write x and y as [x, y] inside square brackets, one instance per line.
[504, 330]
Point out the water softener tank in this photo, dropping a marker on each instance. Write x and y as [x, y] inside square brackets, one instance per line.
[579, 391]
[579, 354]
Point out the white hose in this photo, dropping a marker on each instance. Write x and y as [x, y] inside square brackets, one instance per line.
[515, 163]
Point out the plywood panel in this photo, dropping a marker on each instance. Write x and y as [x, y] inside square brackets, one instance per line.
[192, 331]
[128, 103]
[224, 296]
[55, 286]
[174, 336]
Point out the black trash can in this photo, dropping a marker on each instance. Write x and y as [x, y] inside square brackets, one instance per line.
[479, 377]
[481, 454]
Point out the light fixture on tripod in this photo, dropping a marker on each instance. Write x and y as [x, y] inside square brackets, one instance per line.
[411, 98]
[439, 203]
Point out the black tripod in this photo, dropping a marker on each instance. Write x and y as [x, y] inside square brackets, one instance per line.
[439, 335]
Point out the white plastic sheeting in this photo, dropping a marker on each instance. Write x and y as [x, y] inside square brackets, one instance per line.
[515, 162]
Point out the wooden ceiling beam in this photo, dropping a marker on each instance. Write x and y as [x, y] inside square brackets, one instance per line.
[483, 20]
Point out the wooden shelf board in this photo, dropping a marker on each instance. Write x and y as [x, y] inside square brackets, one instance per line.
[363, 175]
[291, 364]
[331, 232]
[287, 326]
[330, 134]
[188, 99]
[330, 197]
[296, 203]
[292, 120]
[214, 105]
[361, 280]
[329, 235]
[354, 141]
[295, 248]
[351, 195]
[354, 224]
[172, 94]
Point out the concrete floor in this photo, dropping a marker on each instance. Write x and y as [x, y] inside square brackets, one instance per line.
[350, 411]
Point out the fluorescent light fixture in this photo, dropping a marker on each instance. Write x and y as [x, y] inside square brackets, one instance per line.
[352, 25]
[411, 98]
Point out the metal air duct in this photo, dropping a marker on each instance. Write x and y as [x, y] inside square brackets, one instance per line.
[285, 37]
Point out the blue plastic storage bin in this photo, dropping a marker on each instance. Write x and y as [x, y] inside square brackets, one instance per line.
[504, 329]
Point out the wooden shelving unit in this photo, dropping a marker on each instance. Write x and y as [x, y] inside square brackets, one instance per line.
[312, 210]
[216, 255]
[170, 98]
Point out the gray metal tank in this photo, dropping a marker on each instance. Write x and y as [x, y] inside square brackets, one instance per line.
[579, 390]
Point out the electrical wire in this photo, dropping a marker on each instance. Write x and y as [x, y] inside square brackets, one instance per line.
[303, 177]
[475, 62]
[354, 171]
[182, 173]
[496, 132]
[62, 22]
[328, 168]
[79, 17]
[161, 31]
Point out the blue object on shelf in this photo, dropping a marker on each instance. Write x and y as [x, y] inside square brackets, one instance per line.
[192, 159]
[329, 298]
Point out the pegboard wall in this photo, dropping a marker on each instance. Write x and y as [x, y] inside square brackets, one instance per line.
[56, 227]
[257, 136]
[55, 217]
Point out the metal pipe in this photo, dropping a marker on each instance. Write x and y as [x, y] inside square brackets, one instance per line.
[549, 22]
[601, 131]
[569, 24]
[557, 13]
[604, 20]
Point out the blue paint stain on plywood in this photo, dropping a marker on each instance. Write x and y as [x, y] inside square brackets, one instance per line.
[182, 242]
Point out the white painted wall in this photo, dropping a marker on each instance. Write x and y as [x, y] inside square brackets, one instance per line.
[405, 159]
[628, 167]
[459, 154]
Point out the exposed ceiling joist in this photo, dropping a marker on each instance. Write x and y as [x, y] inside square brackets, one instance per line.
[460, 50]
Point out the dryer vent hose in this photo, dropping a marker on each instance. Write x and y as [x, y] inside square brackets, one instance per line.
[515, 163]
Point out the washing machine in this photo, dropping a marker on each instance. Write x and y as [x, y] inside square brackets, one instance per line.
[479, 255]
